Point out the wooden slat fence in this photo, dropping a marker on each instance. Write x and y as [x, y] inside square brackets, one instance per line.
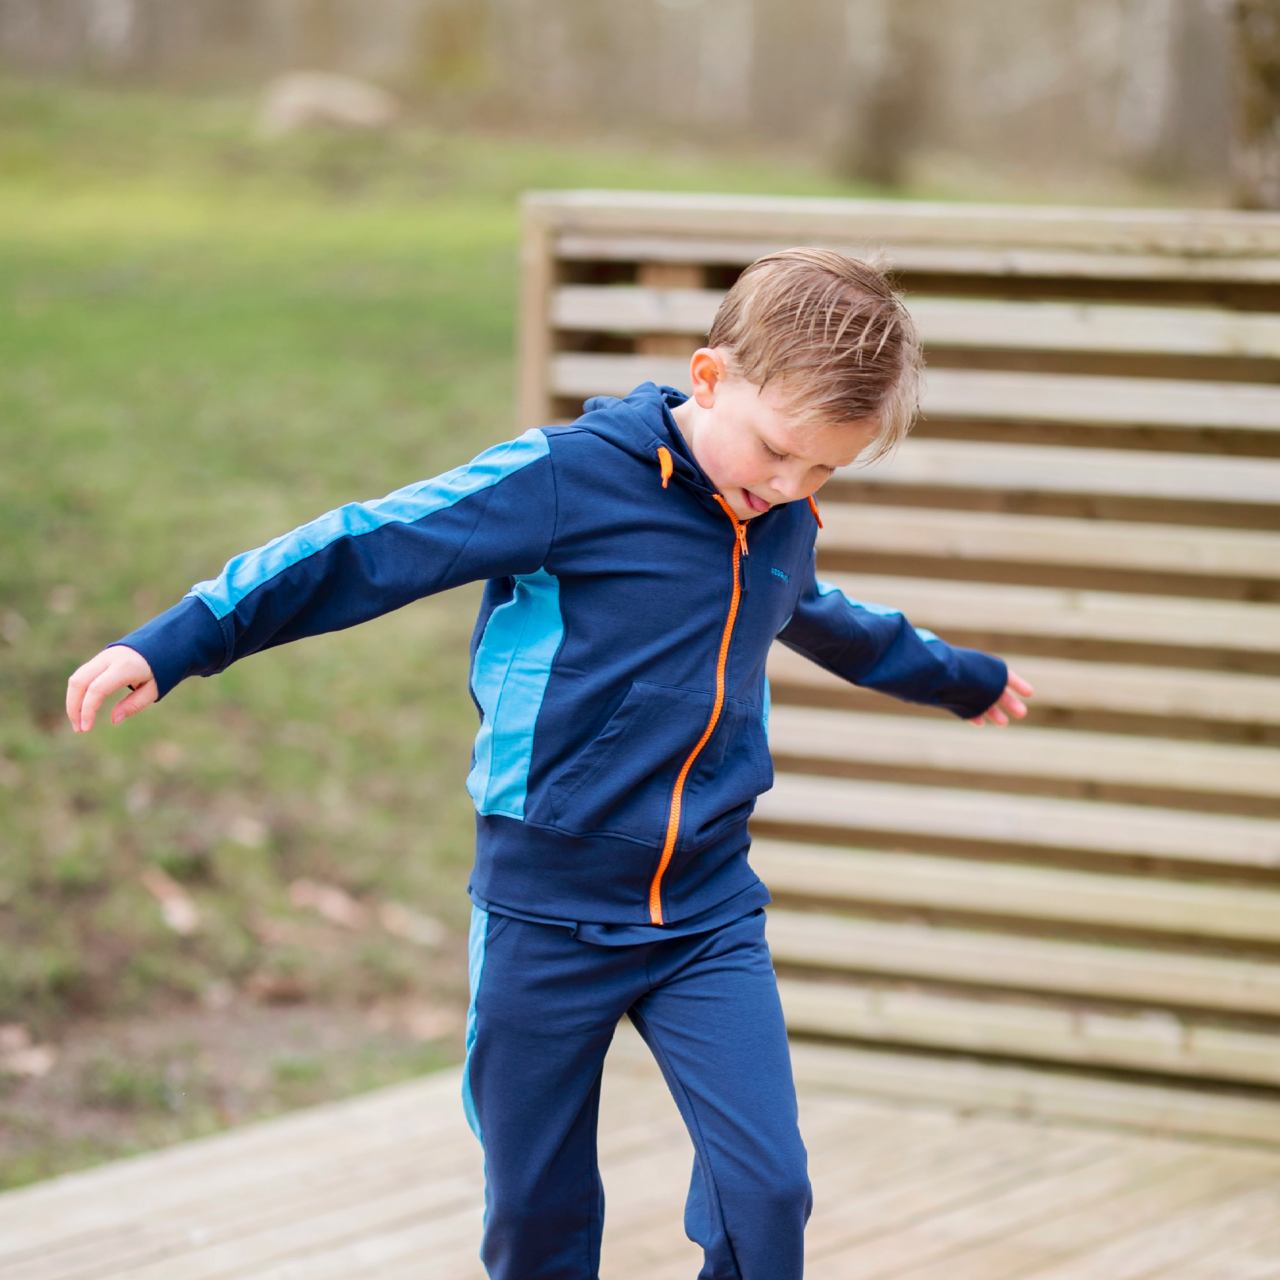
[1093, 492]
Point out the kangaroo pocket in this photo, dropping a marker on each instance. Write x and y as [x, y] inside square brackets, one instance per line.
[621, 783]
[730, 772]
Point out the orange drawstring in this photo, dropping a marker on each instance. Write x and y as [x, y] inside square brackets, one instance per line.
[813, 506]
[665, 463]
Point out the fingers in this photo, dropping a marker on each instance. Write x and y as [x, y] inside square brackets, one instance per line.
[1013, 704]
[1019, 685]
[79, 683]
[143, 695]
[99, 690]
[100, 677]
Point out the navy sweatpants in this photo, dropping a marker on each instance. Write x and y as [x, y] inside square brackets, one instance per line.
[543, 1009]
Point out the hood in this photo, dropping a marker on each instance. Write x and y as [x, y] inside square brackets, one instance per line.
[640, 424]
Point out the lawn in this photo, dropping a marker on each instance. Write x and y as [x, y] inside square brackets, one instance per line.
[205, 339]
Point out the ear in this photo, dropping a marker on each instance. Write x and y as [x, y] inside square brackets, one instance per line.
[707, 370]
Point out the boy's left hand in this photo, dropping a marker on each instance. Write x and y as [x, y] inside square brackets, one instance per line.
[1007, 701]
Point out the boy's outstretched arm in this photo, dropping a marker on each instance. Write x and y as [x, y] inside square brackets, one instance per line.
[118, 667]
[493, 518]
[875, 646]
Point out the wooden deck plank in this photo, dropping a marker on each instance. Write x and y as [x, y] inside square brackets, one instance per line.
[928, 1176]
[275, 1154]
[857, 737]
[1188, 1183]
[1249, 1259]
[878, 1211]
[998, 888]
[226, 1219]
[1180, 1231]
[1035, 821]
[938, 1240]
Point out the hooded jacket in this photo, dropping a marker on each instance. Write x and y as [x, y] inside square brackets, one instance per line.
[618, 660]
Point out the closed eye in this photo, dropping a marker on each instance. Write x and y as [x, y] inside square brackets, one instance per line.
[773, 454]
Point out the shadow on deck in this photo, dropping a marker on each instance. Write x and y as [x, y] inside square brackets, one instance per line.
[390, 1185]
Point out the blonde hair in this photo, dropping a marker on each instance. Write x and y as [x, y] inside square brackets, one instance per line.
[832, 330]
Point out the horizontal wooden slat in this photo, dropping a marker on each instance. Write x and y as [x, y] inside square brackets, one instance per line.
[970, 1083]
[1147, 1042]
[1111, 686]
[1123, 473]
[957, 322]
[1220, 232]
[1058, 326]
[1121, 759]
[981, 394]
[1035, 821]
[1071, 614]
[1088, 400]
[633, 309]
[1008, 263]
[1004, 889]
[1145, 976]
[1019, 539]
[1002, 240]
[584, 374]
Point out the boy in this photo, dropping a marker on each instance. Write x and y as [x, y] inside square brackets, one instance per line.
[639, 564]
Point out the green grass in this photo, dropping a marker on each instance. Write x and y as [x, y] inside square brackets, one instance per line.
[206, 339]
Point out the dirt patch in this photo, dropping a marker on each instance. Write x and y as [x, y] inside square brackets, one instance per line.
[117, 1088]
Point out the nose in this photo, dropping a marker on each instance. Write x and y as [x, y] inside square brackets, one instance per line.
[790, 486]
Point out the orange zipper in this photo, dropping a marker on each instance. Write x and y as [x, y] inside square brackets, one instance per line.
[673, 818]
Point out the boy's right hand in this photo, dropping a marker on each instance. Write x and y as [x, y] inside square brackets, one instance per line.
[118, 667]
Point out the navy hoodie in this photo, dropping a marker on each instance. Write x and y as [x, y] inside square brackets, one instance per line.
[618, 662]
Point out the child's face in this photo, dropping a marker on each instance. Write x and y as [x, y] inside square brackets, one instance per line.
[750, 446]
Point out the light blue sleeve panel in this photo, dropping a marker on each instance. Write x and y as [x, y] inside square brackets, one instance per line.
[246, 573]
[493, 518]
[879, 610]
[874, 646]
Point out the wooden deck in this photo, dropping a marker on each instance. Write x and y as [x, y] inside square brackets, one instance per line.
[390, 1185]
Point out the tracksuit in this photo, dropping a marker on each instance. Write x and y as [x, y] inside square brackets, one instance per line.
[618, 666]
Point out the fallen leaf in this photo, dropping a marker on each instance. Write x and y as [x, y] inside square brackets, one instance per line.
[334, 904]
[276, 988]
[412, 925]
[177, 909]
[36, 1061]
[248, 831]
[14, 1036]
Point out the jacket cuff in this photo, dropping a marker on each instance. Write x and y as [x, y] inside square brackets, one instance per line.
[983, 680]
[186, 640]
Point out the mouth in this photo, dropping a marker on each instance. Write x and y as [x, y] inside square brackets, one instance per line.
[758, 505]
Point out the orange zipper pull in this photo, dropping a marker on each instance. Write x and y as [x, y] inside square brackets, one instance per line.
[741, 531]
[813, 506]
[665, 464]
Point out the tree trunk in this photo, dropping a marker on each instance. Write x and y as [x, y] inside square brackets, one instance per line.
[1256, 158]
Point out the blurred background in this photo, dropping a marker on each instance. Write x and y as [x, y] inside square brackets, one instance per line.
[257, 258]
